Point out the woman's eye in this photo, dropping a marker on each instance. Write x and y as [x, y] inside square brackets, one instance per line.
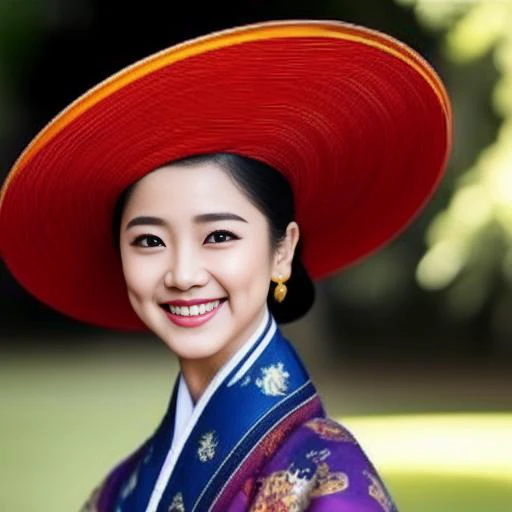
[220, 236]
[148, 241]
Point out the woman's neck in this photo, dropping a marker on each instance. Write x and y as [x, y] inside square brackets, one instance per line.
[198, 373]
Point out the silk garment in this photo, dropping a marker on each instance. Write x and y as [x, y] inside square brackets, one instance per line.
[257, 440]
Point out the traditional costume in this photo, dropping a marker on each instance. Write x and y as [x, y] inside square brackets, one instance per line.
[258, 439]
[358, 123]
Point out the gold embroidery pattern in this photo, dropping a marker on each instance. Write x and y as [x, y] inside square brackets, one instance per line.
[274, 380]
[177, 504]
[327, 482]
[283, 491]
[207, 446]
[377, 492]
[329, 430]
[288, 491]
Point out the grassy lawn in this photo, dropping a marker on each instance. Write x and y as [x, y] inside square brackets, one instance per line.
[66, 420]
[417, 492]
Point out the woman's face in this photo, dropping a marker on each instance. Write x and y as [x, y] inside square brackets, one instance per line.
[197, 259]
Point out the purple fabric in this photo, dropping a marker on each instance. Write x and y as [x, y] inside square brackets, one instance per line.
[103, 497]
[319, 467]
[283, 454]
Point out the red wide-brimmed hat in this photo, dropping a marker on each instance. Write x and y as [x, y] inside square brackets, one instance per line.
[358, 123]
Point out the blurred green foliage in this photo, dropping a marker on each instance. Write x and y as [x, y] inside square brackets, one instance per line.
[449, 276]
[438, 493]
[470, 242]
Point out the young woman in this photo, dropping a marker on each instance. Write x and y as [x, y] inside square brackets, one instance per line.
[229, 170]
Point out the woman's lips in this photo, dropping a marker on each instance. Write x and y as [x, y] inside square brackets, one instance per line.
[192, 313]
[191, 302]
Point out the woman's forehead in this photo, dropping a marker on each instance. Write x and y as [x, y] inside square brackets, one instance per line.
[188, 188]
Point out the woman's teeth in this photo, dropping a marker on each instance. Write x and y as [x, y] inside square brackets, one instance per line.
[196, 309]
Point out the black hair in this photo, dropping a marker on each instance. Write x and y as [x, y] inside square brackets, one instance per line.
[270, 192]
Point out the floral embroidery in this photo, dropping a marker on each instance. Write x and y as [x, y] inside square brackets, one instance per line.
[177, 504]
[330, 430]
[283, 491]
[207, 445]
[376, 491]
[327, 482]
[274, 380]
[292, 490]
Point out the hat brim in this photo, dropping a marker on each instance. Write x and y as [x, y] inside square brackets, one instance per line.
[358, 122]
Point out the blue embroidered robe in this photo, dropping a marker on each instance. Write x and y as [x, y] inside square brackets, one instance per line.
[257, 440]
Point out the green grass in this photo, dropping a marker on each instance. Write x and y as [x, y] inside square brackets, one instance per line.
[440, 493]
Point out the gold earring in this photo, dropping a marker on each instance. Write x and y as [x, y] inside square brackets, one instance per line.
[281, 289]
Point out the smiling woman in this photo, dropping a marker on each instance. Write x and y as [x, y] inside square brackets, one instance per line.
[271, 194]
[232, 168]
[196, 251]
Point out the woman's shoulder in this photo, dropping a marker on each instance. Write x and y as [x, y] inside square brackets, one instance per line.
[327, 430]
[321, 466]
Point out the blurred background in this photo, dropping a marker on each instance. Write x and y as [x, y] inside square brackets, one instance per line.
[412, 349]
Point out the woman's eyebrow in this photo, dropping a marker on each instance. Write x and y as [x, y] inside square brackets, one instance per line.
[145, 221]
[212, 217]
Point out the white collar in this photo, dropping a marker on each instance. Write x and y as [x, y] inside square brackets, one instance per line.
[185, 404]
[184, 410]
[187, 414]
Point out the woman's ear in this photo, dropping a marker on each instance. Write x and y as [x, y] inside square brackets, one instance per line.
[283, 255]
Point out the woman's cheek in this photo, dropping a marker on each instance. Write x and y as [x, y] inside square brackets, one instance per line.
[242, 272]
[140, 276]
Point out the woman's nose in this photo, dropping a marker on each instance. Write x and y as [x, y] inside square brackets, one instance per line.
[185, 271]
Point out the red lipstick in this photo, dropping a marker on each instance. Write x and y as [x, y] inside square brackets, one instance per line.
[191, 302]
[194, 320]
